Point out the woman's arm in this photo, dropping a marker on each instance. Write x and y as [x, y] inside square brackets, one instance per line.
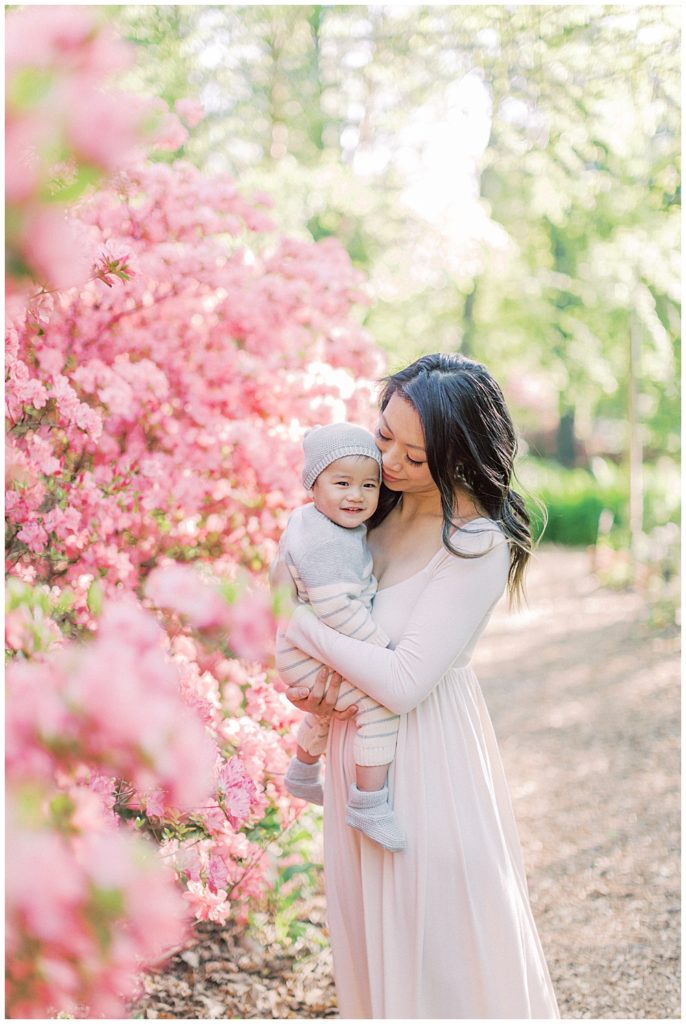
[459, 595]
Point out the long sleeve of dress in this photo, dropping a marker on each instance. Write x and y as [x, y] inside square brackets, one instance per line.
[450, 612]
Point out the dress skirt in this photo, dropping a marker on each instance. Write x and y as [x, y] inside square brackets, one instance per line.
[443, 929]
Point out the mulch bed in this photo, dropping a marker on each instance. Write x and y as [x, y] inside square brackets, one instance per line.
[234, 973]
[584, 697]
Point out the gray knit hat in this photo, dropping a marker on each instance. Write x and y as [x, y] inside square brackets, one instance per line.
[323, 445]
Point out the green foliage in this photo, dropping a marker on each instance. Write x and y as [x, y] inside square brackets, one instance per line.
[35, 617]
[576, 498]
[574, 501]
[331, 110]
[297, 879]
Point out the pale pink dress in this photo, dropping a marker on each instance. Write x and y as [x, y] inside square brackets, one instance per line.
[443, 929]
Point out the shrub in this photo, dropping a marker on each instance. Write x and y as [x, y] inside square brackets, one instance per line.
[575, 499]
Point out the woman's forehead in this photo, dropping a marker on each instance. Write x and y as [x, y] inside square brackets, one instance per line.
[403, 421]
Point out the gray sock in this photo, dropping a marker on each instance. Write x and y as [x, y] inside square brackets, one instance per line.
[302, 780]
[372, 814]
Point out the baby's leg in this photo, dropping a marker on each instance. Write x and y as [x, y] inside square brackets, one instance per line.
[370, 777]
[369, 809]
[302, 755]
[302, 778]
[297, 669]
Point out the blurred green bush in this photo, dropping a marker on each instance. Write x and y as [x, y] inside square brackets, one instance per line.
[576, 499]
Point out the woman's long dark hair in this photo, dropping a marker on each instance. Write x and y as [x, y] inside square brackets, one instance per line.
[470, 442]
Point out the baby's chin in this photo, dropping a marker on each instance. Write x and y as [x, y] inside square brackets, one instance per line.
[350, 519]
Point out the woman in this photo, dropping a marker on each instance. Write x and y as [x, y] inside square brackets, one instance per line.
[444, 928]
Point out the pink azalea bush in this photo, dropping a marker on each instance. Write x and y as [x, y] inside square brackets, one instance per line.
[64, 127]
[88, 905]
[166, 349]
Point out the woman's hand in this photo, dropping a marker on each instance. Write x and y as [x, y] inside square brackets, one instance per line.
[320, 700]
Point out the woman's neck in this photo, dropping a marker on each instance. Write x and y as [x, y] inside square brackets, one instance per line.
[427, 505]
[419, 505]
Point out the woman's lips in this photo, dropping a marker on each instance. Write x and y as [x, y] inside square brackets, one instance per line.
[392, 479]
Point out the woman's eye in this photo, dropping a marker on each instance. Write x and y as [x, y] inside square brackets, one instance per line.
[414, 461]
[382, 436]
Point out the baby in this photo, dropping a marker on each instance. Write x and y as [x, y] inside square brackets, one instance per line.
[325, 548]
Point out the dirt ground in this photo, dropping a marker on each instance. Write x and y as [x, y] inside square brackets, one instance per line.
[585, 702]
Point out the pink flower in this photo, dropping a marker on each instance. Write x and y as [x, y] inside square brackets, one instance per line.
[18, 634]
[170, 134]
[190, 111]
[120, 120]
[57, 248]
[34, 536]
[17, 467]
[252, 626]
[181, 588]
[236, 789]
[208, 905]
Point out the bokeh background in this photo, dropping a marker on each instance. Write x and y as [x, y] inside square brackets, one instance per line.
[499, 180]
[508, 177]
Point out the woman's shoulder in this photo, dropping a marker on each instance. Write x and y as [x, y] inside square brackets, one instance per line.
[478, 537]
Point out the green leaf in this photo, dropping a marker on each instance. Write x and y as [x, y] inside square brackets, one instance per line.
[61, 808]
[94, 598]
[28, 87]
[86, 175]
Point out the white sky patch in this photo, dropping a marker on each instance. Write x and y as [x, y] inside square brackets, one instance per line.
[439, 153]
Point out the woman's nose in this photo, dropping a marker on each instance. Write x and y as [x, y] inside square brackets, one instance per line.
[391, 460]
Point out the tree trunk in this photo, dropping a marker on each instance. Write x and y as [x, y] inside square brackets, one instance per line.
[466, 345]
[566, 441]
[635, 443]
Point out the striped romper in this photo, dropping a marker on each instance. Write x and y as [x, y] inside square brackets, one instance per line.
[332, 568]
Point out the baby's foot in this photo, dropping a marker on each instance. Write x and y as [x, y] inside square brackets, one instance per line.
[372, 814]
[302, 780]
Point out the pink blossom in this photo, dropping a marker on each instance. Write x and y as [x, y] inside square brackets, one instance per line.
[55, 930]
[252, 626]
[17, 466]
[208, 905]
[34, 536]
[22, 156]
[39, 37]
[237, 790]
[162, 419]
[180, 588]
[18, 635]
[190, 111]
[58, 248]
[170, 134]
[120, 119]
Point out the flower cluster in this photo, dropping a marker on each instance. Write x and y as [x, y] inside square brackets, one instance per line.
[64, 129]
[161, 371]
[168, 411]
[87, 904]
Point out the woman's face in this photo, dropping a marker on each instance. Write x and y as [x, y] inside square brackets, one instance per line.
[400, 437]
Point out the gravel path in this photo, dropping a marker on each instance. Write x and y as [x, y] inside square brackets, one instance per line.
[585, 702]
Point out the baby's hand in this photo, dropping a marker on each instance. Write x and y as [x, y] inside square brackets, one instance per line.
[321, 699]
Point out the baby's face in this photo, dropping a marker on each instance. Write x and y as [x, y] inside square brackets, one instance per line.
[347, 491]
